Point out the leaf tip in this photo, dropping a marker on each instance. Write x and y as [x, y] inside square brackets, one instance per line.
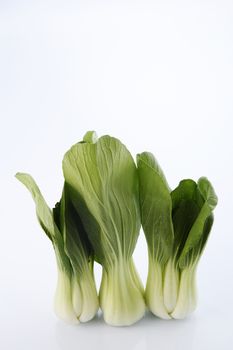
[90, 137]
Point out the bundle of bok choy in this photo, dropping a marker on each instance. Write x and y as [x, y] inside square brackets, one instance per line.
[106, 198]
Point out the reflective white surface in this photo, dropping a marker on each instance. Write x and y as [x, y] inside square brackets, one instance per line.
[200, 331]
[156, 74]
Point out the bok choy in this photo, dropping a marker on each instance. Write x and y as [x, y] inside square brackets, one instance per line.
[103, 187]
[176, 225]
[76, 297]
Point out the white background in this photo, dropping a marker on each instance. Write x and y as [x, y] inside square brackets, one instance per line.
[159, 76]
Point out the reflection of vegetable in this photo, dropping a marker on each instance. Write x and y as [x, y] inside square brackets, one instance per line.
[76, 297]
[103, 186]
[176, 226]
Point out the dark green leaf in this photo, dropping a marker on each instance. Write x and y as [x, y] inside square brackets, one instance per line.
[156, 207]
[196, 234]
[76, 243]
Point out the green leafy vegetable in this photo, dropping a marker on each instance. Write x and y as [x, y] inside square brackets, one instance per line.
[103, 183]
[104, 201]
[176, 225]
[75, 297]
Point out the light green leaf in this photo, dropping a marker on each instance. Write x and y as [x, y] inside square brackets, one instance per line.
[104, 190]
[46, 219]
[44, 213]
[90, 137]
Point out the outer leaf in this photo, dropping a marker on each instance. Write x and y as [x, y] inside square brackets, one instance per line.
[201, 227]
[104, 190]
[186, 204]
[44, 213]
[156, 207]
[46, 219]
[207, 192]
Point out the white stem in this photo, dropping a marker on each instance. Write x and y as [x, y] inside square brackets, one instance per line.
[90, 301]
[170, 286]
[77, 299]
[154, 290]
[63, 300]
[121, 298]
[187, 296]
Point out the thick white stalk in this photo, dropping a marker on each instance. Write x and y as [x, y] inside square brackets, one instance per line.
[121, 297]
[170, 286]
[63, 298]
[77, 299]
[90, 301]
[154, 290]
[187, 295]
